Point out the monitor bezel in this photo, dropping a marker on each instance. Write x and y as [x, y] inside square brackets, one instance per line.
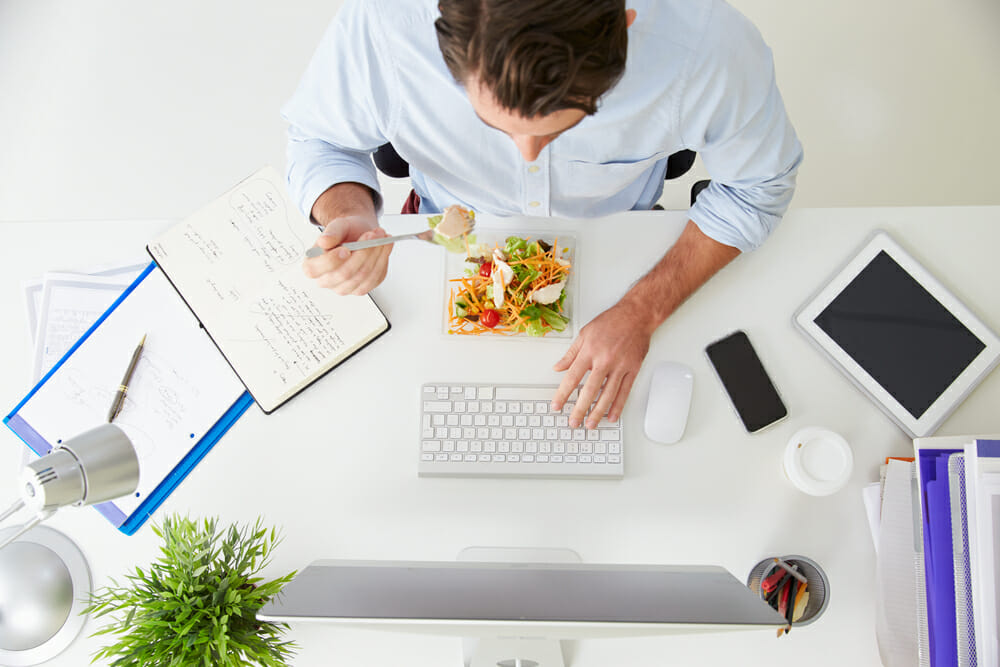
[541, 629]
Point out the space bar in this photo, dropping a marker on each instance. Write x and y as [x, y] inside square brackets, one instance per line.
[527, 393]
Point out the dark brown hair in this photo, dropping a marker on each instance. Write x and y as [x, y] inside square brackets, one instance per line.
[536, 56]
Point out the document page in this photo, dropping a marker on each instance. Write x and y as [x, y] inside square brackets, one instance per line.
[70, 304]
[238, 265]
[896, 575]
[180, 387]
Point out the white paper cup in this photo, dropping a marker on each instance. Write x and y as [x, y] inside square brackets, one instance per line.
[818, 461]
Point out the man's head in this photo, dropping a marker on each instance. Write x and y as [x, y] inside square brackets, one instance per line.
[534, 68]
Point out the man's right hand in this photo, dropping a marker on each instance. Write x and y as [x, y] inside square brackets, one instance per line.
[348, 212]
[344, 271]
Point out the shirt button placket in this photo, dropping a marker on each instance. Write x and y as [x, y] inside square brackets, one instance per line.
[536, 185]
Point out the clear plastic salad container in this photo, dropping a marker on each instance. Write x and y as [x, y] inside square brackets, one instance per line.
[538, 318]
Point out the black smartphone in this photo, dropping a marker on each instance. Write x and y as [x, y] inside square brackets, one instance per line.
[750, 389]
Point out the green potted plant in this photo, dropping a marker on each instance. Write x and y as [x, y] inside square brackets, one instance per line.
[197, 603]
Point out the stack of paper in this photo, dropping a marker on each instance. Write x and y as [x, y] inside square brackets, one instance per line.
[61, 307]
[938, 574]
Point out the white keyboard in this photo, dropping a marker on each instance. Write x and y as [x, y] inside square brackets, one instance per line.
[492, 430]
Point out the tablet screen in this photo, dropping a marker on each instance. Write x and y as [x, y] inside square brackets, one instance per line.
[901, 335]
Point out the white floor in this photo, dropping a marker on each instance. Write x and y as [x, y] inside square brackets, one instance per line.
[135, 110]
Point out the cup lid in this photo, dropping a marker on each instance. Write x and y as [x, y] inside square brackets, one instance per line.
[818, 461]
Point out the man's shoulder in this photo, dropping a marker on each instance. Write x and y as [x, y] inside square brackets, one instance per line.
[393, 16]
[693, 25]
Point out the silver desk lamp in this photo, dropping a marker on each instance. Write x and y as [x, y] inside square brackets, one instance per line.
[44, 578]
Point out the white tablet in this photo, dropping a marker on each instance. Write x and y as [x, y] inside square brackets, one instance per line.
[900, 335]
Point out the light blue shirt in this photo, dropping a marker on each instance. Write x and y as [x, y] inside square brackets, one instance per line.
[698, 76]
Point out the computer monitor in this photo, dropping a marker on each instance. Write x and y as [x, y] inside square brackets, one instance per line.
[519, 612]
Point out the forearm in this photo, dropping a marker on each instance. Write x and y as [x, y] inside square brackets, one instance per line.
[344, 200]
[688, 265]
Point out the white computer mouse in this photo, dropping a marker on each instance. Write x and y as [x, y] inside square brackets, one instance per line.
[669, 402]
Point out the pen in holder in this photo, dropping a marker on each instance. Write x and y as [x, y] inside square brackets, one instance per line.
[817, 584]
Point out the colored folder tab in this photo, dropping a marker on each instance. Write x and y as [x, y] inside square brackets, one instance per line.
[182, 397]
[939, 569]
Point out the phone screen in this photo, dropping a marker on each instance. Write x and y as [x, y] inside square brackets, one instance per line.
[750, 389]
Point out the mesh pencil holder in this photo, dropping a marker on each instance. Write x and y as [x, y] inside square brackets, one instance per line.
[819, 585]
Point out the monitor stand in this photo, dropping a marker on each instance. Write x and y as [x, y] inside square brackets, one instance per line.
[516, 651]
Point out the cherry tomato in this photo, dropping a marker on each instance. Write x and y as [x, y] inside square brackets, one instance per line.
[489, 318]
[485, 269]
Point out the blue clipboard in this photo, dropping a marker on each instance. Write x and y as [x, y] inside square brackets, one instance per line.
[129, 523]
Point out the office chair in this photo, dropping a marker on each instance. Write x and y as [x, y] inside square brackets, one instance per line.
[388, 161]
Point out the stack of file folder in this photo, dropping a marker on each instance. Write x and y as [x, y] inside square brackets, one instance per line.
[938, 575]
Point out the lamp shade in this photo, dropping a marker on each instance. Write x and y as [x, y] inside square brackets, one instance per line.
[95, 466]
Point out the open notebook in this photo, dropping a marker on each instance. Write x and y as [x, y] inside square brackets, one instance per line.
[237, 263]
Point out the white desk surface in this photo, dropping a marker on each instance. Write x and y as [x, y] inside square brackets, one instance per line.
[336, 467]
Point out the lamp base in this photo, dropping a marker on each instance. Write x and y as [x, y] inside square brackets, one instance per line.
[45, 583]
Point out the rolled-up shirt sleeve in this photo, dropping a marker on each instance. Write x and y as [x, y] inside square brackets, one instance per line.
[732, 114]
[340, 111]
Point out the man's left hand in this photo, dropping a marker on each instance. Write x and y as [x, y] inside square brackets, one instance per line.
[612, 347]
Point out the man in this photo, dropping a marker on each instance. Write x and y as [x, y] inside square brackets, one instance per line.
[566, 108]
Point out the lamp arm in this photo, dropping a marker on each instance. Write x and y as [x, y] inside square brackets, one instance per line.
[10, 510]
[40, 517]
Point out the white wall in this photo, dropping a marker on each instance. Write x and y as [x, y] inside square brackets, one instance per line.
[143, 109]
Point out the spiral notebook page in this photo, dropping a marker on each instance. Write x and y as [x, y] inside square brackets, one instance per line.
[180, 387]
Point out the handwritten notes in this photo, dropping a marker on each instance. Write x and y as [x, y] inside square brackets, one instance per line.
[237, 263]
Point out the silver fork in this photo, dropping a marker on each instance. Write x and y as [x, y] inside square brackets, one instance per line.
[426, 235]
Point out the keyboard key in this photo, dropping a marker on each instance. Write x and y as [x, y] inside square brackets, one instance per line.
[522, 393]
[485, 393]
[431, 445]
[437, 406]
